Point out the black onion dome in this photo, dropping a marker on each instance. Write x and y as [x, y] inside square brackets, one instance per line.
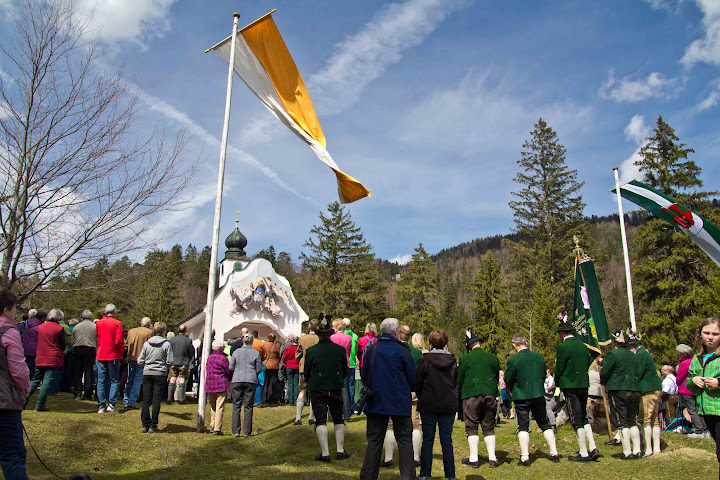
[236, 243]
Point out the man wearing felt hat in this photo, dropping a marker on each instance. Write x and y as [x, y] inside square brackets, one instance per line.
[650, 387]
[325, 371]
[525, 378]
[619, 375]
[478, 377]
[572, 361]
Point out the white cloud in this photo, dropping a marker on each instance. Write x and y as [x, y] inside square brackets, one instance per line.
[4, 109]
[401, 259]
[713, 97]
[127, 20]
[672, 6]
[364, 56]
[181, 118]
[629, 90]
[707, 49]
[637, 132]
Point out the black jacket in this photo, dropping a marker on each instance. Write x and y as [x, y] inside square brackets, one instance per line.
[436, 382]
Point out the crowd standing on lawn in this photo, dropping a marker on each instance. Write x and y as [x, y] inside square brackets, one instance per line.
[407, 393]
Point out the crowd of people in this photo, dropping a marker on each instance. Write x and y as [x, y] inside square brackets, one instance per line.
[408, 392]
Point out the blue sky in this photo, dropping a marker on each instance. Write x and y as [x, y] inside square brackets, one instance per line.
[427, 102]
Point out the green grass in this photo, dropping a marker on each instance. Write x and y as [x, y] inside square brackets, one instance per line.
[73, 437]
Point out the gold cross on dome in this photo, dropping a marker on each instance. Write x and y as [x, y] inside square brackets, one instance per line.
[237, 218]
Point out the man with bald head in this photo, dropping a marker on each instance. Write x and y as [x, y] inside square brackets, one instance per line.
[134, 342]
[238, 343]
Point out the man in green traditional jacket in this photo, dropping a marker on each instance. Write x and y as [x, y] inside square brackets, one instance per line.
[478, 377]
[650, 387]
[325, 371]
[572, 361]
[619, 375]
[524, 378]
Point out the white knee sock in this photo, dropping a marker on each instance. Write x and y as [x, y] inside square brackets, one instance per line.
[589, 437]
[635, 436]
[550, 439]
[417, 443]
[580, 432]
[322, 436]
[524, 438]
[627, 450]
[473, 443]
[618, 435]
[656, 438]
[312, 415]
[647, 431]
[490, 444]
[340, 437]
[389, 445]
[298, 408]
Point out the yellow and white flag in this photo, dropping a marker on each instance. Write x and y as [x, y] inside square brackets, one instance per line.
[265, 65]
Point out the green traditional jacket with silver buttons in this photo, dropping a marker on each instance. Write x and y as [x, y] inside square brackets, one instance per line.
[478, 374]
[708, 401]
[619, 371]
[648, 379]
[572, 360]
[325, 366]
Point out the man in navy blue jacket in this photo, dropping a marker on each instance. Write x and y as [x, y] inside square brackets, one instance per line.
[389, 371]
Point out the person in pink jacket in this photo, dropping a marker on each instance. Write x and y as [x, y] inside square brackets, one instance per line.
[14, 385]
[367, 339]
[686, 399]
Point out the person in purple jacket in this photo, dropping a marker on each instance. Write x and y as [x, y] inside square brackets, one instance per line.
[29, 338]
[217, 384]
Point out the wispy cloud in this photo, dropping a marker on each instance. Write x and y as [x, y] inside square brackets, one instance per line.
[364, 56]
[135, 21]
[626, 89]
[182, 119]
[672, 6]
[706, 49]
[636, 131]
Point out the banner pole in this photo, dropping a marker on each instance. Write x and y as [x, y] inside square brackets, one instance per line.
[628, 278]
[207, 336]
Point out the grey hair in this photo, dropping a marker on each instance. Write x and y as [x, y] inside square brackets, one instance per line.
[145, 321]
[32, 312]
[248, 339]
[371, 328]
[110, 308]
[72, 321]
[519, 339]
[389, 325]
[346, 322]
[86, 315]
[55, 315]
[685, 351]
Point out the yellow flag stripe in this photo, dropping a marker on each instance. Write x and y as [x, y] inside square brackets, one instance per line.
[265, 41]
[350, 189]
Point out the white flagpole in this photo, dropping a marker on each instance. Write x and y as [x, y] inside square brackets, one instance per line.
[628, 278]
[207, 338]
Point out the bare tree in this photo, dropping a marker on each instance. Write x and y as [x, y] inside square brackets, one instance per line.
[81, 178]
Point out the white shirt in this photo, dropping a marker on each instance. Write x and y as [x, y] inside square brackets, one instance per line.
[669, 385]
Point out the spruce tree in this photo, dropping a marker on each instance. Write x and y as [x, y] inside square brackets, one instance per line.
[487, 305]
[549, 204]
[670, 271]
[158, 294]
[417, 296]
[342, 277]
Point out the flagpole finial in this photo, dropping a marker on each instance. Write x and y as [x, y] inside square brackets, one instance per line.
[237, 218]
[236, 14]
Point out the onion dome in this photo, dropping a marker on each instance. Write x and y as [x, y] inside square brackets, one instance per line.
[236, 243]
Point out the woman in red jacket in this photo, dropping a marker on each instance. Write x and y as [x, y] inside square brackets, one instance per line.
[48, 357]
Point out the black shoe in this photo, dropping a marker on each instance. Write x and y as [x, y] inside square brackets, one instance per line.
[78, 397]
[493, 464]
[311, 422]
[466, 461]
[644, 455]
[388, 464]
[624, 457]
[144, 429]
[342, 455]
[322, 458]
[594, 454]
[297, 422]
[580, 458]
[555, 458]
[614, 442]
[42, 409]
[638, 456]
[524, 463]
[152, 430]
[218, 433]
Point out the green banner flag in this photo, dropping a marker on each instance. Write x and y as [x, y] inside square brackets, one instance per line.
[588, 315]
